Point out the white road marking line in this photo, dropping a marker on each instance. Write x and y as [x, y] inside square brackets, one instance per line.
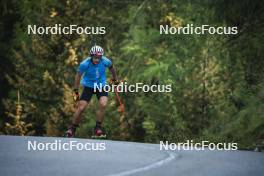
[147, 167]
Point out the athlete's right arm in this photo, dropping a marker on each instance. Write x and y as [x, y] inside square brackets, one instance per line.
[80, 70]
[77, 80]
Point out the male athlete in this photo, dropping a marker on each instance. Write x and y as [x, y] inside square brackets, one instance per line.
[91, 73]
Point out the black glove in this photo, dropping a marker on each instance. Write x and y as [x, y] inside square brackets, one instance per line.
[76, 95]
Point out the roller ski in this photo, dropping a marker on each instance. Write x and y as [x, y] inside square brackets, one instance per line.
[98, 133]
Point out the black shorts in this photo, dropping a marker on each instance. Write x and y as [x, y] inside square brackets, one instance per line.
[88, 93]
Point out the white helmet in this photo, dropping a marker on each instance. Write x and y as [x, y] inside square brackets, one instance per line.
[97, 50]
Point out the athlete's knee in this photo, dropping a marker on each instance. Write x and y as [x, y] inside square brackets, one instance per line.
[81, 107]
[103, 103]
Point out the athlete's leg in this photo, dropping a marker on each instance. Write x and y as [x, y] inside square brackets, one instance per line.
[84, 100]
[82, 104]
[101, 110]
[102, 98]
[77, 115]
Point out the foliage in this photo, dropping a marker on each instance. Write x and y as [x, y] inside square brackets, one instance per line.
[217, 80]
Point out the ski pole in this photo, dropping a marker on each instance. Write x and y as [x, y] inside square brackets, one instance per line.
[121, 107]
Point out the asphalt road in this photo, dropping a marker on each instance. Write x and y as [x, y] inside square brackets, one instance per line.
[119, 159]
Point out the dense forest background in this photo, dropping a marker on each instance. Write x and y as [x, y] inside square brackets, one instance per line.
[217, 80]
